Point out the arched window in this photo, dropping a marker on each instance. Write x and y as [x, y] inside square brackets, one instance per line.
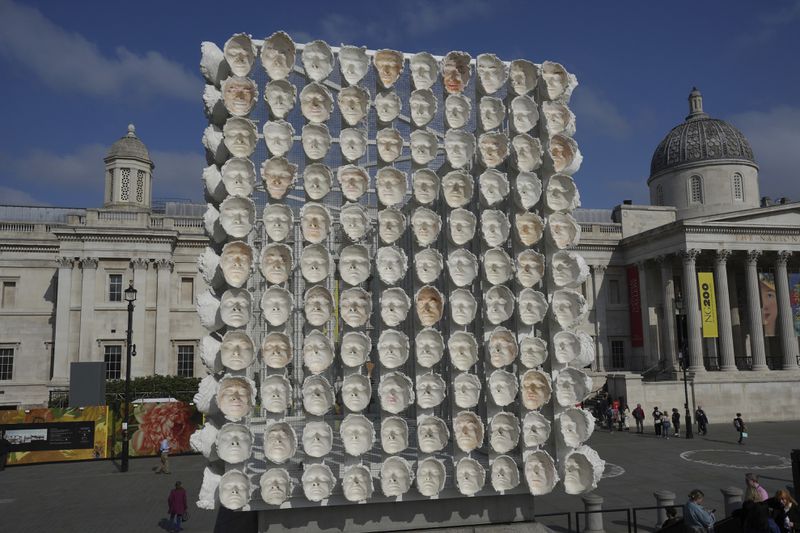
[696, 190]
[659, 194]
[738, 187]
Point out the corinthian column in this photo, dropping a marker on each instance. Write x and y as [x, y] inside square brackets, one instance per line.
[61, 348]
[162, 355]
[692, 311]
[139, 364]
[600, 324]
[728, 362]
[644, 308]
[788, 335]
[668, 297]
[89, 278]
[754, 312]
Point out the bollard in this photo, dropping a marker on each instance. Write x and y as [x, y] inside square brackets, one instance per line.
[594, 521]
[733, 499]
[664, 498]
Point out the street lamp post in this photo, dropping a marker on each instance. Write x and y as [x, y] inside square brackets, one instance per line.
[130, 297]
[688, 415]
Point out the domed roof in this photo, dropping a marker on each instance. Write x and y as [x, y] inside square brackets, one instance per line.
[129, 147]
[700, 138]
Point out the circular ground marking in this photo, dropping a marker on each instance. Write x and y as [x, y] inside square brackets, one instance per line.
[740, 459]
[612, 470]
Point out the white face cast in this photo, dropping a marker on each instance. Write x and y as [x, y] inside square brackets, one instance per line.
[276, 263]
[502, 387]
[276, 350]
[555, 78]
[234, 307]
[356, 392]
[430, 390]
[456, 71]
[463, 307]
[576, 426]
[540, 473]
[462, 226]
[239, 176]
[429, 303]
[355, 348]
[234, 490]
[354, 63]
[423, 147]
[425, 184]
[239, 95]
[569, 308]
[388, 106]
[239, 136]
[503, 432]
[236, 216]
[463, 350]
[354, 265]
[276, 303]
[493, 148]
[572, 386]
[234, 443]
[318, 482]
[276, 392]
[390, 144]
[523, 76]
[423, 106]
[357, 483]
[536, 389]
[391, 224]
[532, 351]
[315, 263]
[524, 114]
[432, 434]
[466, 390]
[240, 54]
[395, 392]
[353, 180]
[317, 181]
[236, 262]
[278, 220]
[280, 96]
[470, 476]
[501, 347]
[532, 306]
[561, 193]
[426, 226]
[494, 227]
[431, 475]
[318, 305]
[353, 143]
[491, 73]
[392, 348]
[317, 439]
[458, 188]
[463, 267]
[316, 141]
[395, 304]
[493, 186]
[424, 70]
[492, 112]
[468, 431]
[499, 302]
[234, 398]
[505, 473]
[277, 55]
[459, 146]
[355, 222]
[317, 60]
[428, 265]
[497, 266]
[530, 228]
[237, 351]
[391, 185]
[582, 469]
[535, 429]
[317, 352]
[276, 486]
[529, 154]
[355, 307]
[396, 476]
[389, 65]
[565, 154]
[558, 119]
[429, 348]
[529, 189]
[567, 347]
[279, 176]
[279, 137]
[569, 269]
[457, 109]
[353, 104]
[530, 268]
[357, 434]
[394, 434]
[392, 264]
[317, 395]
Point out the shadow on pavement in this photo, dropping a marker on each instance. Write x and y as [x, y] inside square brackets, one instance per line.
[241, 522]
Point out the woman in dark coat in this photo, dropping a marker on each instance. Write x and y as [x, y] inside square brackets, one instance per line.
[786, 512]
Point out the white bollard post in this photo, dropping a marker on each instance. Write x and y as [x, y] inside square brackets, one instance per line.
[664, 498]
[733, 499]
[594, 521]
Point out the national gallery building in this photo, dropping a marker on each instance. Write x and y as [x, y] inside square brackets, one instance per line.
[705, 276]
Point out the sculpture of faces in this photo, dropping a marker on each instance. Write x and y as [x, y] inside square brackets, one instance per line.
[470, 476]
[394, 434]
[425, 184]
[456, 71]
[540, 473]
[429, 303]
[466, 390]
[353, 181]
[237, 351]
[493, 148]
[388, 106]
[353, 142]
[523, 76]
[396, 476]
[463, 267]
[524, 114]
[236, 216]
[565, 154]
[528, 152]
[432, 433]
[235, 397]
[239, 136]
[208, 310]
[355, 307]
[492, 73]
[391, 184]
[395, 392]
[468, 431]
[354, 264]
[462, 226]
[423, 106]
[317, 181]
[503, 432]
[276, 304]
[277, 55]
[458, 188]
[234, 307]
[493, 186]
[278, 220]
[567, 347]
[389, 64]
[428, 264]
[576, 426]
[572, 386]
[357, 483]
[423, 147]
[354, 220]
[318, 482]
[529, 189]
[463, 350]
[276, 263]
[569, 308]
[502, 387]
[532, 306]
[535, 429]
[392, 348]
[279, 176]
[582, 469]
[491, 111]
[317, 395]
[457, 110]
[530, 268]
[463, 307]
[561, 193]
[279, 136]
[236, 262]
[238, 176]
[317, 60]
[424, 70]
[276, 350]
[431, 390]
[317, 352]
[240, 53]
[357, 434]
[431, 476]
[429, 348]
[390, 145]
[532, 351]
[497, 266]
[317, 439]
[239, 95]
[501, 347]
[558, 119]
[505, 473]
[530, 228]
[316, 141]
[392, 264]
[353, 104]
[276, 486]
[315, 263]
[569, 269]
[395, 304]
[558, 82]
[356, 392]
[354, 63]
[276, 392]
[280, 96]
[426, 226]
[318, 305]
[536, 389]
[391, 224]
[234, 443]
[499, 302]
[234, 490]
[355, 348]
[459, 147]
[495, 227]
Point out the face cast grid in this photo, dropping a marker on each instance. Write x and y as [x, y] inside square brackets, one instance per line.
[234, 398]
[276, 393]
[234, 307]
[318, 482]
[393, 348]
[425, 184]
[501, 348]
[240, 54]
[432, 434]
[467, 390]
[236, 216]
[237, 351]
[239, 176]
[276, 350]
[356, 392]
[278, 175]
[463, 349]
[535, 429]
[317, 60]
[497, 266]
[430, 476]
[470, 476]
[353, 180]
[354, 264]
[428, 265]
[423, 106]
[463, 267]
[234, 490]
[276, 486]
[389, 64]
[394, 434]
[430, 390]
[457, 110]
[392, 264]
[355, 307]
[277, 55]
[234, 443]
[276, 263]
[468, 430]
[354, 221]
[355, 348]
[280, 96]
[424, 70]
[354, 63]
[353, 103]
[353, 143]
[463, 307]
[396, 476]
[239, 95]
[317, 352]
[279, 137]
[317, 179]
[316, 141]
[317, 439]
[429, 347]
[318, 305]
[236, 261]
[357, 434]
[277, 221]
[505, 473]
[240, 136]
[315, 263]
[462, 226]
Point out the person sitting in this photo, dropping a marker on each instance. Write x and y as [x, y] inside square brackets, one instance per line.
[755, 492]
[696, 517]
[672, 517]
[758, 520]
[786, 512]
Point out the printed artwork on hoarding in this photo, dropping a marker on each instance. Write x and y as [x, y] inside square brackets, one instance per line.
[152, 422]
[794, 295]
[708, 304]
[769, 302]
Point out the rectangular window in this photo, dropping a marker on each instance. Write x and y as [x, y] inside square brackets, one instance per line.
[613, 291]
[187, 291]
[186, 360]
[617, 354]
[113, 359]
[115, 287]
[6, 363]
[9, 296]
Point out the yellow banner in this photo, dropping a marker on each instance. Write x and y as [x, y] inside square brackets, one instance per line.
[708, 304]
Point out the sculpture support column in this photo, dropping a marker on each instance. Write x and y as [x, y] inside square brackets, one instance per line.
[788, 336]
[728, 362]
[600, 324]
[754, 312]
[162, 356]
[89, 278]
[61, 342]
[668, 297]
[644, 307]
[695, 342]
[139, 266]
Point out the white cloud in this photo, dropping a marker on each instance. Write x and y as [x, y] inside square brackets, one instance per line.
[11, 196]
[178, 174]
[68, 61]
[599, 113]
[423, 16]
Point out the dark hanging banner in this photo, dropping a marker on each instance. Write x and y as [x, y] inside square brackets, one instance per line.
[635, 306]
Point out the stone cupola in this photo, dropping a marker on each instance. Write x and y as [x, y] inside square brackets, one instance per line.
[129, 174]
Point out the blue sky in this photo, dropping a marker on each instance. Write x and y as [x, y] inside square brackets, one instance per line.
[76, 73]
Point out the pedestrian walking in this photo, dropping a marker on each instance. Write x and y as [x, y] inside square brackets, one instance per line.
[702, 420]
[178, 508]
[754, 492]
[676, 421]
[738, 423]
[638, 415]
[5, 450]
[163, 448]
[657, 421]
[665, 425]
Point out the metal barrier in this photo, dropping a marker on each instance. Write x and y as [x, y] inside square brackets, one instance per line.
[634, 510]
[625, 510]
[536, 518]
